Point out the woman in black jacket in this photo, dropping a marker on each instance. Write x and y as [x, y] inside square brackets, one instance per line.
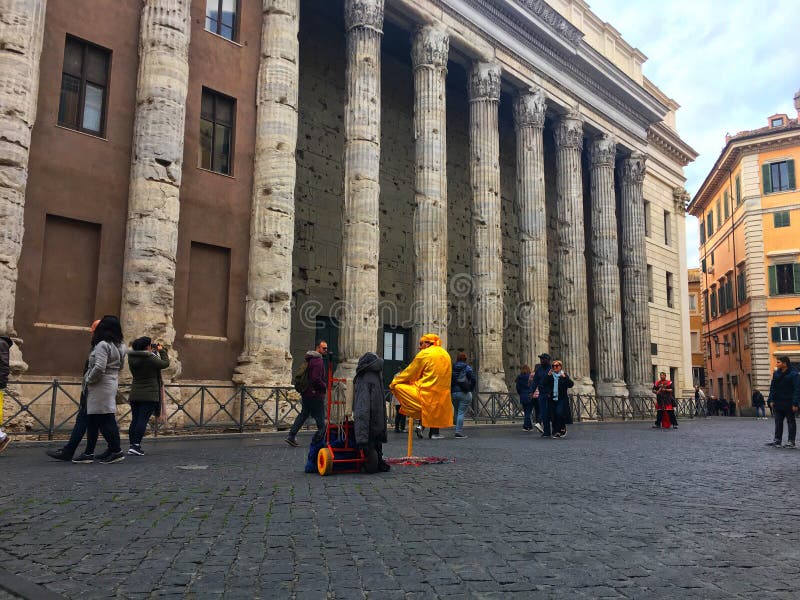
[146, 362]
[555, 385]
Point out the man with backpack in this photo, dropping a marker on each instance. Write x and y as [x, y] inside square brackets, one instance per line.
[463, 382]
[312, 383]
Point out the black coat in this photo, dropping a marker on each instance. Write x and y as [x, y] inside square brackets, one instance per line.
[5, 368]
[146, 369]
[784, 391]
[524, 387]
[369, 404]
[561, 404]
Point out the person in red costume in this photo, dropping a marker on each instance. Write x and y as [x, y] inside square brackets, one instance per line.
[665, 401]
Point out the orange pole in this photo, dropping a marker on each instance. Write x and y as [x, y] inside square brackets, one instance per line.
[410, 436]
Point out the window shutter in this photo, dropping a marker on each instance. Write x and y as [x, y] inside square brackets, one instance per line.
[773, 281]
[730, 295]
[703, 265]
[766, 178]
[796, 277]
[776, 334]
[790, 167]
[738, 190]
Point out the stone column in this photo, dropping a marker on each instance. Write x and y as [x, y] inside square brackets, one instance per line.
[151, 244]
[529, 110]
[21, 35]
[487, 257]
[605, 271]
[429, 55]
[361, 235]
[573, 308]
[265, 358]
[635, 309]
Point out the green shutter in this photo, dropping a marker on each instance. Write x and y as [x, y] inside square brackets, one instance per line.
[790, 166]
[776, 334]
[713, 304]
[738, 190]
[703, 265]
[727, 204]
[796, 274]
[766, 178]
[710, 223]
[773, 281]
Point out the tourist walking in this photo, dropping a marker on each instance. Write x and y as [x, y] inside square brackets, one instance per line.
[101, 384]
[555, 388]
[525, 393]
[461, 386]
[665, 401]
[146, 360]
[699, 400]
[758, 404]
[67, 451]
[784, 401]
[5, 368]
[369, 411]
[541, 372]
[313, 385]
[423, 387]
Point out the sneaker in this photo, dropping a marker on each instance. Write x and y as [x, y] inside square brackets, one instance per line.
[461, 435]
[136, 451]
[539, 427]
[562, 433]
[556, 436]
[436, 436]
[774, 444]
[789, 445]
[112, 457]
[291, 441]
[418, 430]
[59, 454]
[4, 442]
[84, 458]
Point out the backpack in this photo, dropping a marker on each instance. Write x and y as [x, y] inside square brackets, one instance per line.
[301, 383]
[463, 381]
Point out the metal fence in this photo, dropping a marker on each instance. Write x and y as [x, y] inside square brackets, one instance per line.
[49, 408]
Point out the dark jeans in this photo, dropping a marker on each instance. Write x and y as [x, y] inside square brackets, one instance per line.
[105, 424]
[78, 430]
[780, 415]
[673, 420]
[314, 407]
[544, 413]
[527, 408]
[140, 415]
[557, 417]
[399, 420]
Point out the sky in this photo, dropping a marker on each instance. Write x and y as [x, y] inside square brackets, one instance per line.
[729, 63]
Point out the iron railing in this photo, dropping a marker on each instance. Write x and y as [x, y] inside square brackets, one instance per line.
[49, 407]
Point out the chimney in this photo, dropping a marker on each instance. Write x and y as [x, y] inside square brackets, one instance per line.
[797, 102]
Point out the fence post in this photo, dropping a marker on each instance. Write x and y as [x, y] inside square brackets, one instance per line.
[493, 398]
[53, 400]
[202, 403]
[241, 409]
[277, 395]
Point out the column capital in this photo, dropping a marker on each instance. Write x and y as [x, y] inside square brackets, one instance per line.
[681, 197]
[430, 47]
[529, 108]
[603, 151]
[632, 168]
[569, 131]
[364, 13]
[484, 81]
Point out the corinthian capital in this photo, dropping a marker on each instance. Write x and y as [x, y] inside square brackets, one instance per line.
[430, 47]
[529, 108]
[484, 81]
[363, 13]
[681, 198]
[632, 169]
[603, 150]
[569, 131]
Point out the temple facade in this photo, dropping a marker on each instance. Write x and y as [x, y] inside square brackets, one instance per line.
[239, 178]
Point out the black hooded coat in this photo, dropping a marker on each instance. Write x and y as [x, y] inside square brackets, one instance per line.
[369, 405]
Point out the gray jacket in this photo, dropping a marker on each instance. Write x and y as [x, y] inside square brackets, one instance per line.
[369, 406]
[102, 378]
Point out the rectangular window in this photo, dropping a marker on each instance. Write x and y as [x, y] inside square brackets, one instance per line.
[84, 86]
[703, 265]
[702, 233]
[784, 279]
[647, 231]
[721, 298]
[716, 352]
[734, 348]
[788, 334]
[746, 337]
[667, 228]
[719, 214]
[649, 283]
[216, 132]
[713, 303]
[221, 17]
[729, 293]
[695, 341]
[738, 190]
[780, 219]
[710, 224]
[705, 303]
[778, 176]
[693, 302]
[741, 290]
[727, 203]
[712, 258]
[209, 282]
[726, 344]
[670, 299]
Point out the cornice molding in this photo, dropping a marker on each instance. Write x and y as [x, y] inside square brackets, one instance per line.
[550, 16]
[671, 144]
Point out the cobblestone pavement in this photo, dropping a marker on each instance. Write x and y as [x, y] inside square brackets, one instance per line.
[613, 510]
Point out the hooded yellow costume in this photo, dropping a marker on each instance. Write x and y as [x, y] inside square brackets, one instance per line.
[423, 388]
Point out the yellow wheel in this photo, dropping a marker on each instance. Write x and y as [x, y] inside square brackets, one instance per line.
[325, 461]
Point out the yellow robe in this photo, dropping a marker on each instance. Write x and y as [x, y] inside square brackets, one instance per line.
[423, 388]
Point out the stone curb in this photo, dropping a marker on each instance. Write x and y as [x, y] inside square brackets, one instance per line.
[22, 588]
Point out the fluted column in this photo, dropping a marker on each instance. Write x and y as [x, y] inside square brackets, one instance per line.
[635, 309]
[487, 257]
[151, 244]
[572, 293]
[429, 54]
[610, 380]
[361, 235]
[529, 110]
[21, 35]
[265, 358]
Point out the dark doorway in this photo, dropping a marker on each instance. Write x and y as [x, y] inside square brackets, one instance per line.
[396, 351]
[328, 330]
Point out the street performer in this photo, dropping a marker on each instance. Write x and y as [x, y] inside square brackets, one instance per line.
[665, 401]
[423, 388]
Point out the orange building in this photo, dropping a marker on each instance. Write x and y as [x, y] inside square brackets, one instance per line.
[749, 213]
[695, 278]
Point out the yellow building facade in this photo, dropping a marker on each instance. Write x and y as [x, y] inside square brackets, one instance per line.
[697, 343]
[749, 213]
